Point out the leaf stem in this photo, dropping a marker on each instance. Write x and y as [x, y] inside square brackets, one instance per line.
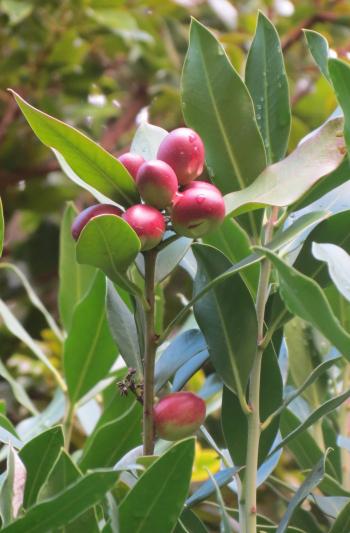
[247, 504]
[150, 353]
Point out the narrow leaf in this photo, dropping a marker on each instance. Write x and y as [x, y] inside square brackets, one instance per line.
[342, 522]
[156, 501]
[340, 75]
[39, 456]
[8, 434]
[89, 350]
[267, 83]
[75, 279]
[338, 262]
[230, 330]
[213, 93]
[319, 49]
[18, 390]
[283, 183]
[222, 478]
[66, 506]
[12, 490]
[88, 160]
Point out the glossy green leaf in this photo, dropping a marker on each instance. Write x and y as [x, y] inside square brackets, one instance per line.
[319, 49]
[342, 522]
[2, 228]
[147, 139]
[283, 183]
[324, 409]
[109, 243]
[123, 329]
[340, 76]
[39, 456]
[267, 82]
[338, 262]
[232, 415]
[305, 298]
[89, 350]
[231, 239]
[111, 441]
[217, 105]
[63, 474]
[75, 279]
[230, 330]
[88, 160]
[311, 482]
[67, 505]
[156, 501]
[12, 489]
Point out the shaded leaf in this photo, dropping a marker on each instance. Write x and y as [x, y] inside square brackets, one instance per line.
[8, 434]
[342, 522]
[147, 139]
[2, 228]
[340, 76]
[189, 522]
[338, 262]
[156, 500]
[267, 82]
[18, 390]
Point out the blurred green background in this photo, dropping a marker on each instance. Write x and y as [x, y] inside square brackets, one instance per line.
[104, 66]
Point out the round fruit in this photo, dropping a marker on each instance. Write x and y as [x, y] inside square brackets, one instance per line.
[178, 415]
[91, 212]
[157, 183]
[131, 162]
[183, 150]
[198, 210]
[147, 222]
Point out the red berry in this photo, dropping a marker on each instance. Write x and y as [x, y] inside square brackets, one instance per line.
[178, 415]
[198, 210]
[131, 162]
[91, 212]
[157, 183]
[183, 150]
[147, 222]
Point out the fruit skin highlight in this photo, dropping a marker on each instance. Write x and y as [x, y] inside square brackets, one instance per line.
[131, 162]
[157, 183]
[197, 210]
[178, 415]
[91, 212]
[183, 150]
[147, 222]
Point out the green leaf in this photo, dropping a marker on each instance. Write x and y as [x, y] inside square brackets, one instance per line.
[16, 11]
[342, 522]
[190, 523]
[109, 243]
[111, 441]
[319, 49]
[88, 160]
[8, 434]
[123, 329]
[231, 239]
[222, 478]
[216, 104]
[311, 482]
[75, 279]
[147, 139]
[156, 501]
[283, 183]
[225, 526]
[18, 390]
[66, 506]
[232, 415]
[267, 82]
[305, 298]
[63, 474]
[89, 350]
[12, 490]
[39, 456]
[340, 75]
[338, 262]
[229, 329]
[2, 228]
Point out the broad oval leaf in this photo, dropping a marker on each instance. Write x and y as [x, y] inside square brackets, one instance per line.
[109, 243]
[227, 318]
[75, 279]
[89, 350]
[216, 104]
[283, 183]
[111, 441]
[154, 506]
[267, 82]
[67, 505]
[147, 139]
[338, 262]
[38, 456]
[92, 163]
[319, 49]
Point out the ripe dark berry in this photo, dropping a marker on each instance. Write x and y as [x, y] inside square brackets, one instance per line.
[157, 183]
[131, 162]
[178, 415]
[147, 222]
[91, 212]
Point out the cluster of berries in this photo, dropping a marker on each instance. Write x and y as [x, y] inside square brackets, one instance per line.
[167, 187]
